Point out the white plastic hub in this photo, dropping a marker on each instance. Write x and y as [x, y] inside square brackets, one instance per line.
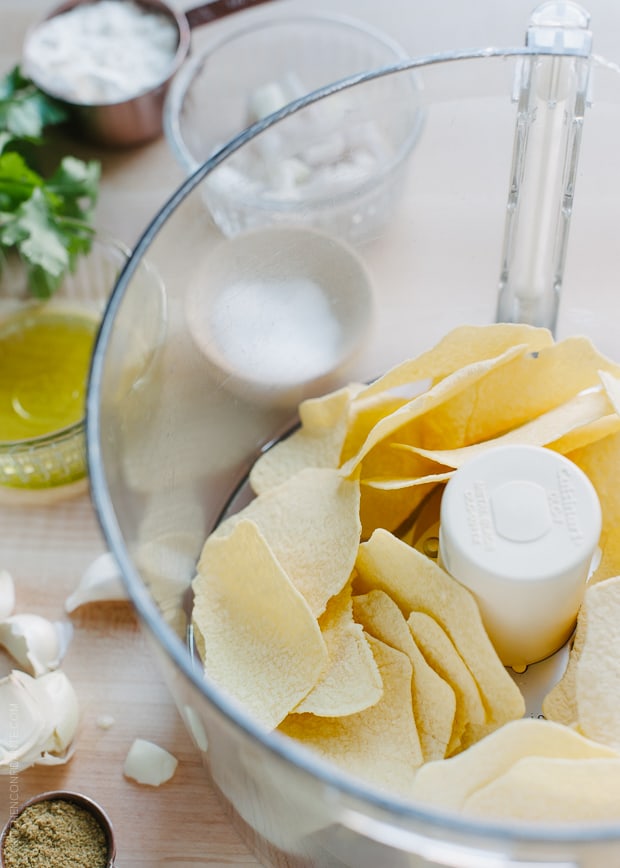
[519, 527]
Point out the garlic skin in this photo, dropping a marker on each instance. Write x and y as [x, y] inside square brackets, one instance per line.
[100, 581]
[42, 721]
[33, 641]
[7, 594]
[147, 763]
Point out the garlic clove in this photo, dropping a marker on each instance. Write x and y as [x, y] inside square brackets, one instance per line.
[147, 763]
[100, 581]
[42, 720]
[7, 594]
[33, 641]
[25, 725]
[63, 709]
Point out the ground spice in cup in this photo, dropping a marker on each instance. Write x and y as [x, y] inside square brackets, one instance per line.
[56, 833]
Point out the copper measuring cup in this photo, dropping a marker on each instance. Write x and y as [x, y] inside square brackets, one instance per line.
[138, 119]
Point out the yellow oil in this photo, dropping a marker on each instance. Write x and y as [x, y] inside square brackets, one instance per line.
[44, 360]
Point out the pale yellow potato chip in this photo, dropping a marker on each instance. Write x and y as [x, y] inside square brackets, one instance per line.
[560, 704]
[351, 681]
[597, 677]
[416, 583]
[316, 443]
[379, 745]
[583, 409]
[445, 391]
[512, 394]
[551, 790]
[460, 347]
[388, 506]
[311, 523]
[586, 434]
[600, 461]
[434, 700]
[443, 657]
[258, 638]
[364, 415]
[450, 783]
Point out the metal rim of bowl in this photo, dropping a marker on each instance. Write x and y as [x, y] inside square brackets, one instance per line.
[263, 201]
[468, 833]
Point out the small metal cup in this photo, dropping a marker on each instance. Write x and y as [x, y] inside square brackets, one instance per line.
[67, 796]
[133, 121]
[137, 120]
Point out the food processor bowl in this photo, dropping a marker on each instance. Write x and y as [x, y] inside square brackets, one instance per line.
[169, 453]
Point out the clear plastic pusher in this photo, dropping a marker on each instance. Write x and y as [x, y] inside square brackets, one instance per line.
[552, 93]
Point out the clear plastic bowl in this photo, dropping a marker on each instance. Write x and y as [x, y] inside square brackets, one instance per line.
[339, 166]
[167, 457]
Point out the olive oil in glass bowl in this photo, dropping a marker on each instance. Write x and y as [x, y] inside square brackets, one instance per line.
[45, 352]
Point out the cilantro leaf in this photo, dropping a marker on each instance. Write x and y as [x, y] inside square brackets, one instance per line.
[46, 220]
[24, 110]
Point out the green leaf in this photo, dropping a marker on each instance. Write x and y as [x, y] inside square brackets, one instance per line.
[47, 221]
[25, 111]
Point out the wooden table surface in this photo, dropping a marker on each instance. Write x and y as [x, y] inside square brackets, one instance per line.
[47, 548]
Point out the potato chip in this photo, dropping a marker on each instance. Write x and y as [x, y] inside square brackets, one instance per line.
[444, 391]
[450, 783]
[259, 640]
[311, 524]
[417, 584]
[434, 700]
[440, 653]
[551, 790]
[460, 347]
[600, 461]
[582, 409]
[316, 443]
[597, 674]
[351, 681]
[381, 744]
[560, 704]
[388, 506]
[513, 393]
[586, 434]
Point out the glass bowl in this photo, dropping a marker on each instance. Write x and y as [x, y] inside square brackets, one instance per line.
[169, 460]
[338, 166]
[45, 460]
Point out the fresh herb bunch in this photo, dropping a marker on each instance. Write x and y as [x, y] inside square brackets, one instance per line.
[46, 220]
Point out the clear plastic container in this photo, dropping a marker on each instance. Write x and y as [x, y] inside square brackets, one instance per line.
[168, 452]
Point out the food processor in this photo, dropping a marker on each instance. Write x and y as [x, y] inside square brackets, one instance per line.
[507, 213]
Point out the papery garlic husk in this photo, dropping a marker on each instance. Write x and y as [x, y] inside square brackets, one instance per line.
[148, 763]
[33, 641]
[40, 723]
[7, 594]
[100, 581]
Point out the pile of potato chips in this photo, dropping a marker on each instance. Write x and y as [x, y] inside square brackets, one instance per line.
[315, 609]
